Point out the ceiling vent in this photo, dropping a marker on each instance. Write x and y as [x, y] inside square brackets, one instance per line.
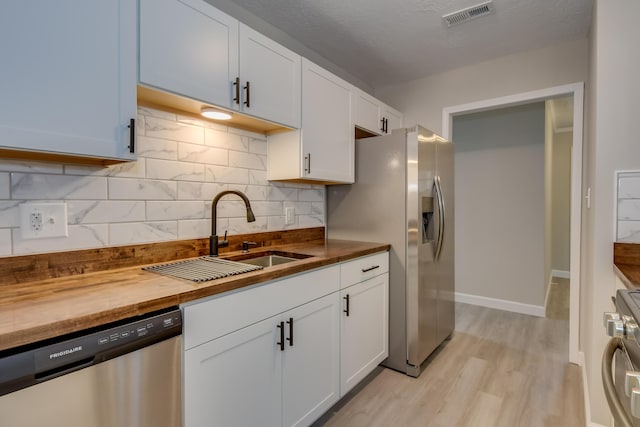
[468, 14]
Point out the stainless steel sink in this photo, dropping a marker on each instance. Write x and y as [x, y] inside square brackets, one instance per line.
[268, 260]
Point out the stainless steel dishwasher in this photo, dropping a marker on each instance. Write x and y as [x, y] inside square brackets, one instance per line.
[123, 374]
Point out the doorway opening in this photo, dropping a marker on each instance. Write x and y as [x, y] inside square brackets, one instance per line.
[576, 93]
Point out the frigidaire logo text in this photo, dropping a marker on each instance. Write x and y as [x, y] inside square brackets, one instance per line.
[65, 352]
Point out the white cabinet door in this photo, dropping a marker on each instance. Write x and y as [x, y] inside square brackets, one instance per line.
[364, 328]
[68, 77]
[270, 79]
[311, 370]
[190, 48]
[367, 114]
[393, 118]
[327, 129]
[322, 150]
[247, 378]
[235, 380]
[374, 116]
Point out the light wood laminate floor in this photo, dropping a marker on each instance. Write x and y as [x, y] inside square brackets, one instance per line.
[499, 369]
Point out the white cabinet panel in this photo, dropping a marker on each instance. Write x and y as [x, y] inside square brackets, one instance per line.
[374, 116]
[235, 380]
[273, 75]
[68, 77]
[364, 334]
[327, 140]
[311, 370]
[394, 118]
[367, 114]
[323, 150]
[363, 268]
[190, 48]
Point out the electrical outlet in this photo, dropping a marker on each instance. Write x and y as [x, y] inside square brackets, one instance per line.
[36, 221]
[289, 215]
[41, 220]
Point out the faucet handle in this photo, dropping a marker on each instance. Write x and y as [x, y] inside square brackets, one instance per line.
[224, 242]
[245, 246]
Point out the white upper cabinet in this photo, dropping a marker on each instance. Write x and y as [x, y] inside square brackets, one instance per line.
[373, 115]
[190, 48]
[323, 151]
[367, 113]
[393, 118]
[68, 77]
[269, 79]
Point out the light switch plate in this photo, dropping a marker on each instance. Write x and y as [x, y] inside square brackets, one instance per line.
[41, 220]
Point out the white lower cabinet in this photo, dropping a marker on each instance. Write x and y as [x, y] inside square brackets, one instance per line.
[364, 330]
[282, 353]
[282, 371]
[235, 380]
[311, 366]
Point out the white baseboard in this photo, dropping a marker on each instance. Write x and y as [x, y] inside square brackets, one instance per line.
[585, 387]
[500, 304]
[561, 273]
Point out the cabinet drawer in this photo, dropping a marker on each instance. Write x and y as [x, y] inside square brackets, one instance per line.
[363, 268]
[211, 318]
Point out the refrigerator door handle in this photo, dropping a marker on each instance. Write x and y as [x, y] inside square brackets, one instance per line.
[440, 199]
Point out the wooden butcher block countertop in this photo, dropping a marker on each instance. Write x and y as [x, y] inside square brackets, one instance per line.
[42, 309]
[626, 263]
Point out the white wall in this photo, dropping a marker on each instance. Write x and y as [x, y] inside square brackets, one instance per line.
[499, 198]
[165, 195]
[422, 100]
[560, 200]
[612, 142]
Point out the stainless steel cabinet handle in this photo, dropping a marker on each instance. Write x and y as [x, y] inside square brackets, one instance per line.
[364, 270]
[307, 163]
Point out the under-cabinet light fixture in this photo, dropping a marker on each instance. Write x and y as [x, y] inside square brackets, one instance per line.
[214, 113]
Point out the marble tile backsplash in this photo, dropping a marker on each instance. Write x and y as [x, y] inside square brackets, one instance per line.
[165, 195]
[628, 203]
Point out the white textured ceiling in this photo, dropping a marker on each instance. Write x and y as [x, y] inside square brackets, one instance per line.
[392, 41]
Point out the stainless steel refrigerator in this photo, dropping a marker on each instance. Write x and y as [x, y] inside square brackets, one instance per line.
[403, 195]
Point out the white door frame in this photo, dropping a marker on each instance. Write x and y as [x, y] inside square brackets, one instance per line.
[577, 90]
